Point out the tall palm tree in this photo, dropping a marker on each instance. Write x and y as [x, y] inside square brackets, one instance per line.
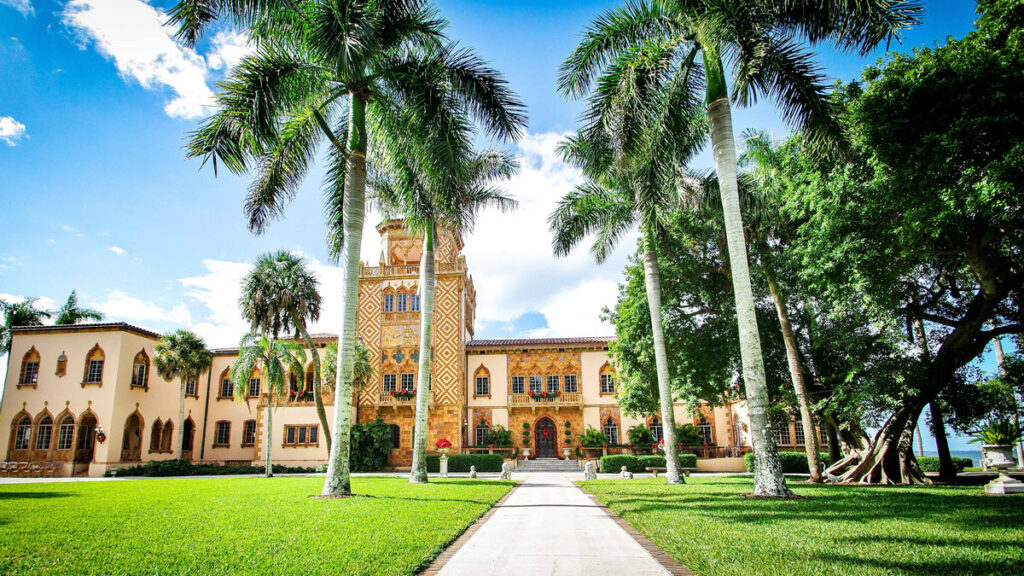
[274, 359]
[638, 134]
[71, 313]
[279, 295]
[737, 51]
[16, 314]
[181, 354]
[353, 73]
[767, 160]
[450, 202]
[362, 368]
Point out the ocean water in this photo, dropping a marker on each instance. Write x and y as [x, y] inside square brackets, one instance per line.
[974, 455]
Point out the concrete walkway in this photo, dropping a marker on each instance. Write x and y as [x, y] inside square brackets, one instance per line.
[548, 526]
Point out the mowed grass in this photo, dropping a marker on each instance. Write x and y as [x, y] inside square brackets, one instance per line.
[234, 525]
[841, 530]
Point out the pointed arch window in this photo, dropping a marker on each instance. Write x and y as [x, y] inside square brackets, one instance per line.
[482, 432]
[66, 433]
[611, 430]
[657, 432]
[414, 302]
[140, 370]
[707, 434]
[94, 366]
[607, 379]
[154, 435]
[44, 433]
[482, 382]
[29, 368]
[167, 438]
[402, 301]
[226, 387]
[22, 433]
[389, 302]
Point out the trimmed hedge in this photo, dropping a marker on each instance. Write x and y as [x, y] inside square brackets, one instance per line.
[931, 463]
[462, 462]
[164, 468]
[792, 462]
[636, 464]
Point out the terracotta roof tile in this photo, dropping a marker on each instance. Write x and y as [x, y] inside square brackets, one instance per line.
[88, 326]
[535, 342]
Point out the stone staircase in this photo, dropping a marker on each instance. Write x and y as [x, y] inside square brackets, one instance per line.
[547, 465]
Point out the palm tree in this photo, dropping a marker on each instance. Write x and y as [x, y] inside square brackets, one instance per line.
[450, 202]
[768, 160]
[638, 135]
[274, 359]
[16, 314]
[71, 313]
[362, 368]
[759, 44]
[182, 354]
[280, 294]
[354, 73]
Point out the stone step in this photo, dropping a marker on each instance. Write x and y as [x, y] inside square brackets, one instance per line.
[547, 465]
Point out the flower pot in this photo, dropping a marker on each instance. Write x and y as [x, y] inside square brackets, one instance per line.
[998, 455]
[526, 451]
[565, 452]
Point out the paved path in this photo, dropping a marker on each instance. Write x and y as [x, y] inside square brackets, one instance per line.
[548, 526]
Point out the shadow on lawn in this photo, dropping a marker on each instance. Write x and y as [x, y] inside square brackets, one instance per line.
[896, 565]
[32, 495]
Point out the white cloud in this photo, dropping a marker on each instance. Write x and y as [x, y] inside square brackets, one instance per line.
[117, 250]
[133, 34]
[42, 302]
[120, 306]
[23, 6]
[11, 130]
[229, 47]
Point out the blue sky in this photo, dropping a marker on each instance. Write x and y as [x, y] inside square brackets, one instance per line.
[95, 194]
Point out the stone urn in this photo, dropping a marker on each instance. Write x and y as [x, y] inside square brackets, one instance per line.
[1000, 457]
[526, 451]
[444, 447]
[565, 452]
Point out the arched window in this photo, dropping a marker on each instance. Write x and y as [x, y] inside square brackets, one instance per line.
[29, 368]
[191, 386]
[254, 384]
[611, 431]
[140, 370]
[657, 432]
[167, 438]
[66, 433]
[154, 436]
[294, 386]
[482, 431]
[226, 387]
[607, 379]
[396, 436]
[94, 366]
[783, 434]
[189, 431]
[249, 433]
[22, 433]
[414, 302]
[389, 301]
[401, 301]
[44, 433]
[309, 377]
[706, 433]
[482, 381]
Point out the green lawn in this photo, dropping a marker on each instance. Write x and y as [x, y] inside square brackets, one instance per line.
[234, 525]
[842, 530]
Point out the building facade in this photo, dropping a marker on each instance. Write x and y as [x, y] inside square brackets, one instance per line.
[83, 399]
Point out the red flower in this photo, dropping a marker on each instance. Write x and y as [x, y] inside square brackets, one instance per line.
[443, 443]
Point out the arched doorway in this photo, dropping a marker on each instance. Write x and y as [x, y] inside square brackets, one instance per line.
[86, 444]
[189, 432]
[547, 438]
[131, 444]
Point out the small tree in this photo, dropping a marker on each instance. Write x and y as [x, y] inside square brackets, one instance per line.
[16, 314]
[182, 355]
[274, 358]
[71, 313]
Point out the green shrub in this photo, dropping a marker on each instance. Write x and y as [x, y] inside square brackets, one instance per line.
[371, 445]
[164, 468]
[499, 436]
[931, 463]
[639, 435]
[462, 462]
[612, 464]
[685, 461]
[688, 435]
[792, 462]
[593, 437]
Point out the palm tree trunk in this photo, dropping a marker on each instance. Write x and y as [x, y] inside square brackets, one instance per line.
[318, 399]
[418, 474]
[338, 482]
[270, 432]
[652, 281]
[768, 477]
[180, 447]
[796, 374]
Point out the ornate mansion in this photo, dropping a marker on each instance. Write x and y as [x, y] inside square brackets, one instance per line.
[85, 398]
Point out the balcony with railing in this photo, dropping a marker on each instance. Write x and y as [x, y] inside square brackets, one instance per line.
[537, 400]
[397, 399]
